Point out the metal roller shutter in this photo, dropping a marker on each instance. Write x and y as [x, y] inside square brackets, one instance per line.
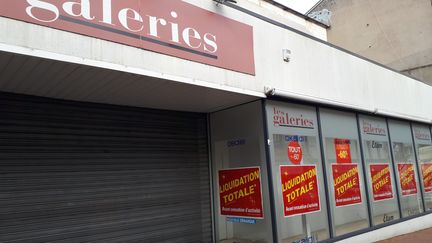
[80, 172]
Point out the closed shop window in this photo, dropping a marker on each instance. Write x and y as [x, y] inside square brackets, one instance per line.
[405, 167]
[347, 196]
[298, 177]
[379, 169]
[423, 145]
[242, 204]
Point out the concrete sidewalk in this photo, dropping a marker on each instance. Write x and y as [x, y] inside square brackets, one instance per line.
[419, 236]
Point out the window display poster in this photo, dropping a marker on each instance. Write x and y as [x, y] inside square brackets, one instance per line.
[295, 153]
[343, 151]
[407, 179]
[299, 189]
[381, 181]
[427, 176]
[240, 192]
[346, 184]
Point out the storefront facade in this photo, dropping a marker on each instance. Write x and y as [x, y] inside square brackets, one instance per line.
[334, 172]
[180, 121]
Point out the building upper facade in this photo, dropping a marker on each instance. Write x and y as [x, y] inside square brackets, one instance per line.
[396, 33]
[243, 48]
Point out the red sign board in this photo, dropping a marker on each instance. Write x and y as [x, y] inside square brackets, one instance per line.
[299, 189]
[346, 184]
[343, 150]
[381, 181]
[407, 179]
[171, 27]
[427, 176]
[240, 192]
[295, 153]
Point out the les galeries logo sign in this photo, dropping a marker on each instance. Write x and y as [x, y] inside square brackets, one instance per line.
[171, 27]
[373, 129]
[284, 118]
[422, 134]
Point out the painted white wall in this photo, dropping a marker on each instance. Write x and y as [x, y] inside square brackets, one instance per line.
[302, 6]
[315, 69]
[265, 8]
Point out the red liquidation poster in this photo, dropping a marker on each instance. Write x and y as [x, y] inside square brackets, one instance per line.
[299, 189]
[381, 181]
[346, 184]
[407, 179]
[295, 153]
[427, 176]
[240, 192]
[343, 150]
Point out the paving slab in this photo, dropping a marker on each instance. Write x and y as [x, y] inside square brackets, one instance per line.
[419, 236]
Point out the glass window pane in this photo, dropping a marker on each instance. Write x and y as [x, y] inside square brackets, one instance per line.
[344, 171]
[242, 204]
[379, 169]
[422, 139]
[297, 173]
[405, 167]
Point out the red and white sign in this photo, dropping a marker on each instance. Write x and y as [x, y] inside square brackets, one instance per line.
[407, 179]
[299, 189]
[381, 182]
[346, 184]
[295, 153]
[343, 150]
[171, 27]
[427, 176]
[240, 192]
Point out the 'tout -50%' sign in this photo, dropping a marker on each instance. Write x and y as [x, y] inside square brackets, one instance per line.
[171, 27]
[295, 152]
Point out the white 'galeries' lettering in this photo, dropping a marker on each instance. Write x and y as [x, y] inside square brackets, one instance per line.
[129, 18]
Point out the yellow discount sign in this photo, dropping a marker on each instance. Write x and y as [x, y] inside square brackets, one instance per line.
[299, 189]
[240, 192]
[427, 176]
[381, 181]
[407, 180]
[346, 184]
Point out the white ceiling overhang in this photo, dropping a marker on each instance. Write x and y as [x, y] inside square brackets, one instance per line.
[32, 72]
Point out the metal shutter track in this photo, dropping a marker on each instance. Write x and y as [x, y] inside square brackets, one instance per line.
[80, 172]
